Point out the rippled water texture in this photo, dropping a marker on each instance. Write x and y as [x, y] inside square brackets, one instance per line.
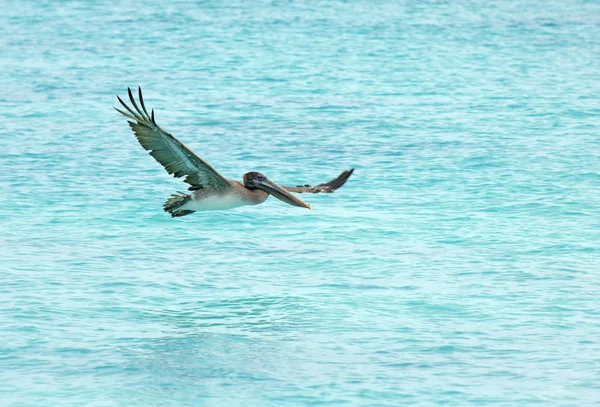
[460, 264]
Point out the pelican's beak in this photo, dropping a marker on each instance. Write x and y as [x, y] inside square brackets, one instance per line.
[280, 193]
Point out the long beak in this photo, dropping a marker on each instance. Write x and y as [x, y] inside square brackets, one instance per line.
[280, 193]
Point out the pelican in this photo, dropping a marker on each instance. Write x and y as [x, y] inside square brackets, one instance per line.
[209, 190]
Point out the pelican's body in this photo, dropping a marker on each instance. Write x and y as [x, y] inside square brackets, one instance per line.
[216, 200]
[210, 190]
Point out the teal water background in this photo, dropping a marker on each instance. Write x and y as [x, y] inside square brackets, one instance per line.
[460, 265]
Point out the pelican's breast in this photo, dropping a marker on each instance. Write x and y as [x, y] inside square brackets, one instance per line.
[216, 199]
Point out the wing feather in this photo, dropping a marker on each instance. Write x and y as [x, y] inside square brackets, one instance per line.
[172, 154]
[327, 187]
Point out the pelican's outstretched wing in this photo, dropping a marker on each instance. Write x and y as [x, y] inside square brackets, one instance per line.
[327, 187]
[167, 150]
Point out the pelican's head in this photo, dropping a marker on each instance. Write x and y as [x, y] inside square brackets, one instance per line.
[254, 180]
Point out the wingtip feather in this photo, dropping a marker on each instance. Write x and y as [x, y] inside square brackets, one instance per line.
[125, 114]
[142, 101]
[132, 99]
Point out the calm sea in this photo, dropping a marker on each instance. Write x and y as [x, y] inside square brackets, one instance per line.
[460, 265]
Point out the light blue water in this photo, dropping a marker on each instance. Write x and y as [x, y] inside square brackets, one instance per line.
[460, 265]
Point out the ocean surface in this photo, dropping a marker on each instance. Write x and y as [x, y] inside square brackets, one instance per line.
[460, 265]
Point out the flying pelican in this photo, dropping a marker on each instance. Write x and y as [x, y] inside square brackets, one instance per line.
[209, 189]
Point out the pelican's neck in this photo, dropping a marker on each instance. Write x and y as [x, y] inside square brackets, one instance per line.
[253, 196]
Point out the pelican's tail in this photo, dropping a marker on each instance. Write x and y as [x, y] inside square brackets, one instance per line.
[175, 202]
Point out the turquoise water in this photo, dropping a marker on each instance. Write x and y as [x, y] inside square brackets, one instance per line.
[460, 265]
